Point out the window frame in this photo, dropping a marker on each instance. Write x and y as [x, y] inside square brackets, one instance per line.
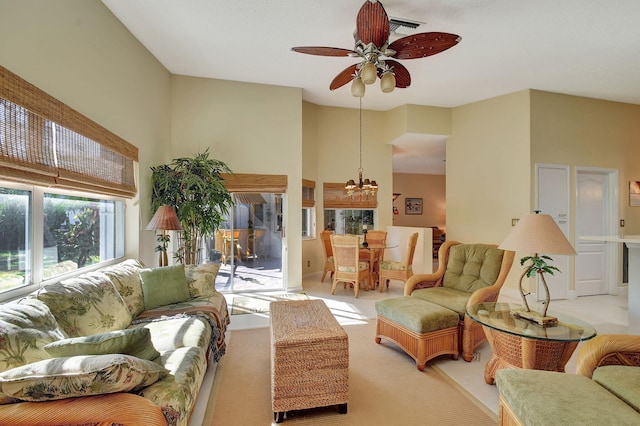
[36, 238]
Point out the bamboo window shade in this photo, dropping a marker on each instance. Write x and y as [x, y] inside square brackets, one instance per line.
[249, 182]
[335, 197]
[45, 142]
[308, 193]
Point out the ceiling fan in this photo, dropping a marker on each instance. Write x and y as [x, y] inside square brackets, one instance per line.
[373, 47]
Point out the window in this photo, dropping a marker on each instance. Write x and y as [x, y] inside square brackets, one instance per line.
[308, 209]
[349, 221]
[46, 234]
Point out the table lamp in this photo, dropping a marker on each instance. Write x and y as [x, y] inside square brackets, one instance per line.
[165, 219]
[539, 234]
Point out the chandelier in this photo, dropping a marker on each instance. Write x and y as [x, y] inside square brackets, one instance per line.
[365, 187]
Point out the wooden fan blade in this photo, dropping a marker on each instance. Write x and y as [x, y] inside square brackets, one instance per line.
[323, 51]
[372, 24]
[423, 44]
[344, 77]
[403, 78]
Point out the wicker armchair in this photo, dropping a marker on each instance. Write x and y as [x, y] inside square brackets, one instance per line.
[348, 267]
[374, 256]
[445, 286]
[608, 349]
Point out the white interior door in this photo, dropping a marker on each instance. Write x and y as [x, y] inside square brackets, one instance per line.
[553, 199]
[591, 219]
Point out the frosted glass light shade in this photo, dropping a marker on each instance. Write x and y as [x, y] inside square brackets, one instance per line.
[387, 82]
[369, 73]
[357, 87]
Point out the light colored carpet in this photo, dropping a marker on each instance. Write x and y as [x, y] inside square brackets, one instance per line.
[385, 388]
[259, 303]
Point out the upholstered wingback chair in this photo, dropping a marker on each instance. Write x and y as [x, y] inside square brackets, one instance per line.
[467, 274]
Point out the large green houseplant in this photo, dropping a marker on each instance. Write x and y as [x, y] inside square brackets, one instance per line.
[195, 188]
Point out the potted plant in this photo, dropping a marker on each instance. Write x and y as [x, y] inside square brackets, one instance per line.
[195, 188]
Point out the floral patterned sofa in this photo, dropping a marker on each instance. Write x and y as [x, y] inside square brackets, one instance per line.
[123, 345]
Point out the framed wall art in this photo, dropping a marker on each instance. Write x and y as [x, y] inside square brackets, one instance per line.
[634, 193]
[413, 206]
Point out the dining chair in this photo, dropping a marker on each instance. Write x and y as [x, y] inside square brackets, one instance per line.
[348, 267]
[375, 238]
[402, 270]
[325, 237]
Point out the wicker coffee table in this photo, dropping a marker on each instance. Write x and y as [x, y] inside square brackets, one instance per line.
[309, 358]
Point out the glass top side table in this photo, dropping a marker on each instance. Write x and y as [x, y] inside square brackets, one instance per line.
[520, 343]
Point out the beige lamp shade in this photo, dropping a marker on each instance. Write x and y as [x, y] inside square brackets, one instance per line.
[164, 219]
[357, 87]
[387, 82]
[369, 73]
[538, 233]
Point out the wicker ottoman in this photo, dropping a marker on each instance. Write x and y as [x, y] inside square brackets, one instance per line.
[422, 329]
[309, 357]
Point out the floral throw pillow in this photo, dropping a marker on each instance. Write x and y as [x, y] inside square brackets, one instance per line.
[85, 305]
[201, 279]
[26, 326]
[68, 377]
[126, 277]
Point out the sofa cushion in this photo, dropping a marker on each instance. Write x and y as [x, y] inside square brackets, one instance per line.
[176, 393]
[472, 266]
[85, 305]
[163, 286]
[136, 342]
[126, 277]
[549, 398]
[26, 326]
[201, 279]
[450, 298]
[169, 333]
[59, 378]
[622, 381]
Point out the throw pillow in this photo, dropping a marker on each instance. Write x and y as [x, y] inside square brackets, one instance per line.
[132, 341]
[202, 279]
[85, 305]
[163, 286]
[26, 326]
[126, 277]
[59, 378]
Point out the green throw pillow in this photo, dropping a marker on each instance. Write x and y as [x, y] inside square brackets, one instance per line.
[163, 286]
[134, 341]
[59, 378]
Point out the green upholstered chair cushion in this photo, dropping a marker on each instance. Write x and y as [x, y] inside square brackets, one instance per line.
[415, 314]
[126, 277]
[85, 305]
[201, 279]
[68, 377]
[550, 398]
[622, 381]
[472, 266]
[26, 327]
[163, 286]
[362, 266]
[450, 298]
[135, 341]
[392, 265]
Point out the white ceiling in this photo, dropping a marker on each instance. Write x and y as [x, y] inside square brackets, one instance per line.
[579, 47]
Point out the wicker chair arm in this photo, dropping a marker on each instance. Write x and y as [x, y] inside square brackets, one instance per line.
[487, 294]
[115, 408]
[424, 280]
[608, 349]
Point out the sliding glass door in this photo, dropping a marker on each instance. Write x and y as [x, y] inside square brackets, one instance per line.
[249, 245]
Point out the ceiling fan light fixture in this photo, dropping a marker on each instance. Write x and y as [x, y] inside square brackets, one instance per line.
[369, 73]
[357, 87]
[387, 82]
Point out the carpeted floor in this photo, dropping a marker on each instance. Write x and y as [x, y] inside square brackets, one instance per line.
[259, 303]
[385, 388]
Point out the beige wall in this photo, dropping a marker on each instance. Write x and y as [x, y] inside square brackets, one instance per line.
[253, 128]
[311, 248]
[432, 190]
[78, 52]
